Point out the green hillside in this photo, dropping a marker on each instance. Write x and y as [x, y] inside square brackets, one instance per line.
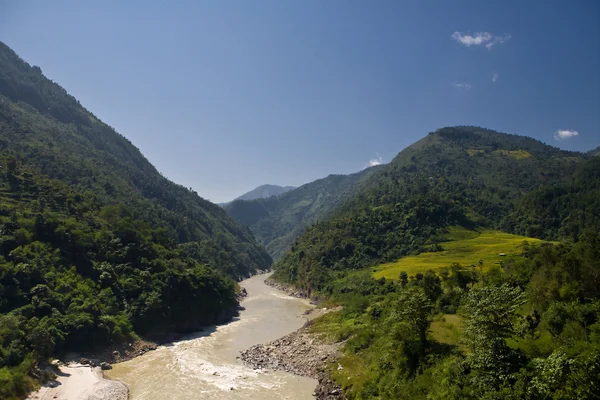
[463, 176]
[96, 245]
[525, 325]
[277, 221]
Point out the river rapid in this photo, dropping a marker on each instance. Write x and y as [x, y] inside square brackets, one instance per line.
[205, 365]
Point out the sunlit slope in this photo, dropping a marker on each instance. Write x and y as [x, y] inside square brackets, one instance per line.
[465, 247]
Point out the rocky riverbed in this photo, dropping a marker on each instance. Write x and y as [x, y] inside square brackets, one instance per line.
[290, 290]
[302, 353]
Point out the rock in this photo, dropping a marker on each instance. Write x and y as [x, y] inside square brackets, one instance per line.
[84, 361]
[105, 366]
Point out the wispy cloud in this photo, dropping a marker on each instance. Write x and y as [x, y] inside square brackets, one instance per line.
[462, 85]
[494, 77]
[479, 39]
[376, 161]
[564, 134]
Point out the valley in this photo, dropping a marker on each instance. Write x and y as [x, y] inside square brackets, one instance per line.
[468, 267]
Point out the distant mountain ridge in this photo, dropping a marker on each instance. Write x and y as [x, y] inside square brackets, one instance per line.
[595, 152]
[264, 192]
[277, 221]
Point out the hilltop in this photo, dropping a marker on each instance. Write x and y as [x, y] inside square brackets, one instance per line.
[467, 268]
[457, 176]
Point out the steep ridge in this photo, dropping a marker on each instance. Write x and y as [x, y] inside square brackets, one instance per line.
[265, 191]
[277, 221]
[464, 176]
[96, 246]
[50, 133]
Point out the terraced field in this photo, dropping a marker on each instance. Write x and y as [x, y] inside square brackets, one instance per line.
[465, 247]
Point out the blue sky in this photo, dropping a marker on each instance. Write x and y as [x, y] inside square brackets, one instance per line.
[223, 96]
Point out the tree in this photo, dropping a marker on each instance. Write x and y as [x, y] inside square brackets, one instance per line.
[403, 278]
[415, 308]
[492, 312]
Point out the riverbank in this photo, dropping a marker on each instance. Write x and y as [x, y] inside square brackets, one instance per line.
[205, 362]
[289, 290]
[76, 381]
[302, 353]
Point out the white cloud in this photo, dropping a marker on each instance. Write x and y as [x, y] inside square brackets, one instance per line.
[564, 134]
[376, 161]
[462, 85]
[479, 39]
[494, 77]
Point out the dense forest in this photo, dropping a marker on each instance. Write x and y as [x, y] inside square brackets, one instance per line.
[527, 328]
[97, 246]
[278, 221]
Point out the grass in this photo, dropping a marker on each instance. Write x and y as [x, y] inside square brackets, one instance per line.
[447, 328]
[518, 154]
[465, 247]
[472, 152]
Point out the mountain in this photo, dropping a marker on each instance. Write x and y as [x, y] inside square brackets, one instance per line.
[441, 296]
[96, 245]
[264, 192]
[457, 176]
[277, 221]
[595, 152]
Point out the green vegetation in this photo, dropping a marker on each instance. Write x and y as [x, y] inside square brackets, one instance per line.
[278, 221]
[518, 154]
[97, 246]
[466, 247]
[526, 330]
[523, 329]
[408, 206]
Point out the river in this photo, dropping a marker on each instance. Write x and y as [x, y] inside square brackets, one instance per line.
[204, 365]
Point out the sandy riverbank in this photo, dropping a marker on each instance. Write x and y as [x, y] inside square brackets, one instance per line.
[80, 382]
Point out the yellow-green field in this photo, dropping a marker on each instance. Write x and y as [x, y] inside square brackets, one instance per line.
[518, 154]
[465, 247]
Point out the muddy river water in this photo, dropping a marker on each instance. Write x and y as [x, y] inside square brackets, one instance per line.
[204, 365]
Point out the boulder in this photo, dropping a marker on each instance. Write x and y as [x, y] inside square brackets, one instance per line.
[105, 366]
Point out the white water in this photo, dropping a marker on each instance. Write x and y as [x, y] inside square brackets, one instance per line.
[204, 366]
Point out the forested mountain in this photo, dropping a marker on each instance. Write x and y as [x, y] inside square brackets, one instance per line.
[96, 244]
[527, 327]
[277, 221]
[264, 192]
[595, 152]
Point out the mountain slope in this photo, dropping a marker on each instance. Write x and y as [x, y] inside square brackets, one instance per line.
[595, 152]
[49, 132]
[97, 246]
[461, 176]
[265, 191]
[277, 221]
